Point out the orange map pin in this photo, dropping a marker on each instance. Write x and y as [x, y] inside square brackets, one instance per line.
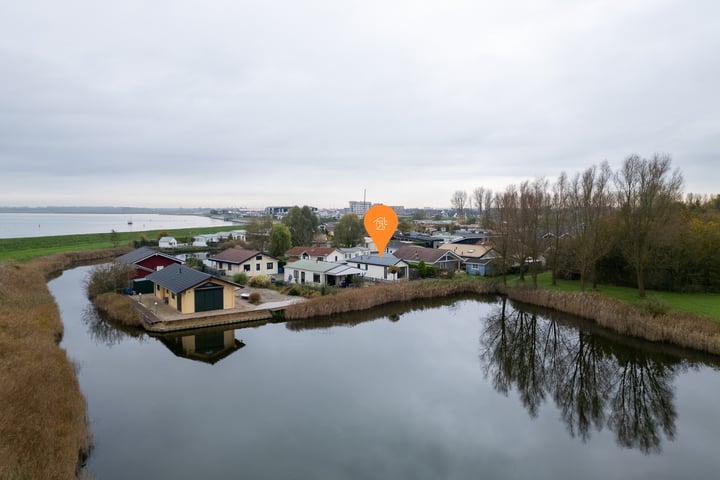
[381, 222]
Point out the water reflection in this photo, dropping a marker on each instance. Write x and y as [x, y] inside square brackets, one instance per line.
[103, 331]
[595, 381]
[209, 345]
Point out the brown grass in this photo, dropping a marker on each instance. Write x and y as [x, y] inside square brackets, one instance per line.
[681, 329]
[43, 421]
[356, 299]
[118, 309]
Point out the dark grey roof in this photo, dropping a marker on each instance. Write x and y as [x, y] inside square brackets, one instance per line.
[387, 260]
[140, 254]
[178, 278]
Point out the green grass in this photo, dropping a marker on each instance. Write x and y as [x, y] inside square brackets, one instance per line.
[704, 304]
[24, 249]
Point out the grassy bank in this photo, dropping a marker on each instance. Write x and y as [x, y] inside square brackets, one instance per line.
[24, 249]
[702, 304]
[43, 422]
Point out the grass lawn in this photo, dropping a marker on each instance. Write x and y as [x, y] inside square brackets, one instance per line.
[705, 304]
[24, 249]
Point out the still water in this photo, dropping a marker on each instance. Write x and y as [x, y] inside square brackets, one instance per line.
[18, 225]
[453, 389]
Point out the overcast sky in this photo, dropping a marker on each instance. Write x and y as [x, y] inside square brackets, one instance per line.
[254, 103]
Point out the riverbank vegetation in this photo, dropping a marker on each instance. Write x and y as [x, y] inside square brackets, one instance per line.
[43, 422]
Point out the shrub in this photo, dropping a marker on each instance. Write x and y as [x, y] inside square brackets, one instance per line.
[254, 298]
[240, 278]
[108, 277]
[260, 281]
[655, 306]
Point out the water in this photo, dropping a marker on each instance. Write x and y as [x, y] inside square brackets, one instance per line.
[17, 225]
[455, 389]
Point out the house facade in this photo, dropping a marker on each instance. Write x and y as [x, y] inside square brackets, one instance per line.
[146, 261]
[442, 259]
[378, 268]
[321, 273]
[239, 260]
[191, 291]
[167, 242]
[479, 259]
[321, 254]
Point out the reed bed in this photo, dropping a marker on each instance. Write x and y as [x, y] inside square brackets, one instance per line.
[43, 422]
[677, 328]
[356, 299]
[118, 308]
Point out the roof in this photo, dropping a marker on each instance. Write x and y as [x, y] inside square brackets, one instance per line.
[413, 253]
[329, 268]
[235, 255]
[177, 278]
[140, 254]
[166, 239]
[354, 249]
[311, 251]
[387, 260]
[466, 251]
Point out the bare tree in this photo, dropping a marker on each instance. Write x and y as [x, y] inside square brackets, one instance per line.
[557, 219]
[478, 199]
[590, 200]
[647, 192]
[459, 200]
[504, 213]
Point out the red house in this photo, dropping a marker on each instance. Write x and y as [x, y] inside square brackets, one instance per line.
[146, 261]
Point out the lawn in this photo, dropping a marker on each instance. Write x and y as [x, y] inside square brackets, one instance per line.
[704, 304]
[24, 249]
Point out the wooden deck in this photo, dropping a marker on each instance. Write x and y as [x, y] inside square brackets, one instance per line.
[161, 318]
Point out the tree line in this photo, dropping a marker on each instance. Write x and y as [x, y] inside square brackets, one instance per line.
[627, 227]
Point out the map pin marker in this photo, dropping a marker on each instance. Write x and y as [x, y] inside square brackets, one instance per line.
[381, 222]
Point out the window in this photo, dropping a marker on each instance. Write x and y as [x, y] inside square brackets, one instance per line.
[316, 277]
[269, 265]
[246, 268]
[257, 267]
[302, 277]
[157, 287]
[173, 296]
[258, 257]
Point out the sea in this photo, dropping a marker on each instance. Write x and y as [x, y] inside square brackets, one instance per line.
[21, 225]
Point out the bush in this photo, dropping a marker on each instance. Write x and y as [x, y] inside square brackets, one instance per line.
[254, 298]
[260, 281]
[240, 278]
[655, 306]
[108, 277]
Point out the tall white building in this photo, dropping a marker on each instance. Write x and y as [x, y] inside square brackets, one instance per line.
[359, 208]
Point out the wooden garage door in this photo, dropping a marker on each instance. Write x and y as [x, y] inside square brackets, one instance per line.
[208, 297]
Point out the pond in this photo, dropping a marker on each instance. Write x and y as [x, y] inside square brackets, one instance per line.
[452, 389]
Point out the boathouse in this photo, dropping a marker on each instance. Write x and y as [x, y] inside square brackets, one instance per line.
[190, 291]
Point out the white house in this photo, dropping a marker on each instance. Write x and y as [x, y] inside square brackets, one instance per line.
[353, 252]
[379, 268]
[321, 273]
[322, 254]
[250, 262]
[167, 242]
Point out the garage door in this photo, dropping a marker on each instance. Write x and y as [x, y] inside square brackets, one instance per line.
[208, 297]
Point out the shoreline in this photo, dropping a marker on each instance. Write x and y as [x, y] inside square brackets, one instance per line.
[55, 438]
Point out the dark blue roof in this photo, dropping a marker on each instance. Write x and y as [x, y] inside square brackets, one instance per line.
[178, 278]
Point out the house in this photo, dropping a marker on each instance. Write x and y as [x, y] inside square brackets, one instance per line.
[479, 259]
[146, 261]
[205, 239]
[321, 273]
[167, 242]
[191, 291]
[419, 239]
[239, 260]
[322, 254]
[378, 268]
[442, 259]
[353, 252]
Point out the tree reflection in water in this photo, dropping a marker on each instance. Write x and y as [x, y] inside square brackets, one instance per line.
[595, 382]
[101, 330]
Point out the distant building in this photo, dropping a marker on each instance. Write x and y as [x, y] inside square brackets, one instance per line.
[280, 212]
[359, 208]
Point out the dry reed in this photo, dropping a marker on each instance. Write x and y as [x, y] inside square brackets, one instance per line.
[43, 424]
